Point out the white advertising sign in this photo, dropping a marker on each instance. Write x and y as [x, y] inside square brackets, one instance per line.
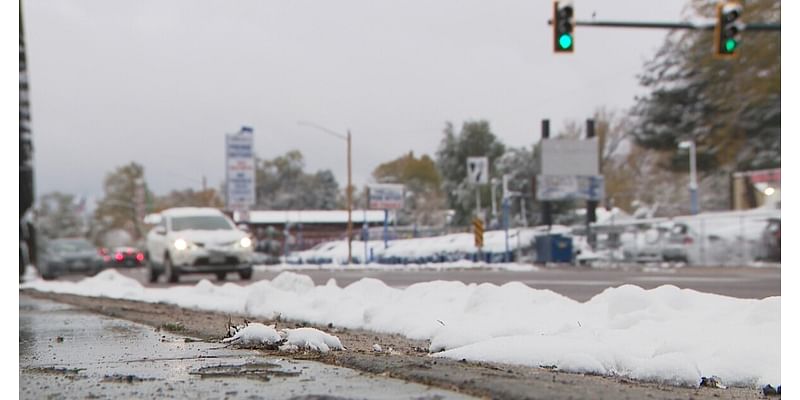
[240, 174]
[569, 157]
[570, 187]
[478, 170]
[385, 196]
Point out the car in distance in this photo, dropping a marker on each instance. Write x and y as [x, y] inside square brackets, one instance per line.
[129, 257]
[69, 255]
[197, 240]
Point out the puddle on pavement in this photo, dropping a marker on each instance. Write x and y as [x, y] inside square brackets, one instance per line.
[258, 370]
[101, 357]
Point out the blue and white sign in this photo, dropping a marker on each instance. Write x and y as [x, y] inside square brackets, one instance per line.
[385, 196]
[570, 187]
[240, 173]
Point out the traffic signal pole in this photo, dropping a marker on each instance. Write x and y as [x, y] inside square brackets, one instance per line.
[759, 26]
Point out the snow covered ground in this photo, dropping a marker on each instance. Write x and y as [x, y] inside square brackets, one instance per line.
[667, 334]
[461, 265]
[712, 238]
[456, 247]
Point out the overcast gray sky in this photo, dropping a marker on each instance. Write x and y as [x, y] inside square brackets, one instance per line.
[161, 82]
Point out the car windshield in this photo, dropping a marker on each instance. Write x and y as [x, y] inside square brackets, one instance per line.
[203, 223]
[71, 246]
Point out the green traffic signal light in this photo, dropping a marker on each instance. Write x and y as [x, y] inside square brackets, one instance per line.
[565, 41]
[730, 45]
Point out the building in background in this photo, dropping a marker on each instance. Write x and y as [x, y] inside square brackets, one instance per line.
[753, 189]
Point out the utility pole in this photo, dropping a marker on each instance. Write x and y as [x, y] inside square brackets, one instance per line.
[349, 188]
[349, 201]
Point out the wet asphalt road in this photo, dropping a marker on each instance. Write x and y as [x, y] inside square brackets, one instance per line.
[67, 353]
[575, 282]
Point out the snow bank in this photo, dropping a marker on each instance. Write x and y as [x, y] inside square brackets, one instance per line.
[666, 334]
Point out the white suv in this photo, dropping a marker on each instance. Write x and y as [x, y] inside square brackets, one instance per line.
[197, 240]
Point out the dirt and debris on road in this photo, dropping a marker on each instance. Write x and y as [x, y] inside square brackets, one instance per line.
[408, 359]
[109, 358]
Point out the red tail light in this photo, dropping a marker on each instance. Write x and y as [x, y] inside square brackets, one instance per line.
[118, 256]
[140, 257]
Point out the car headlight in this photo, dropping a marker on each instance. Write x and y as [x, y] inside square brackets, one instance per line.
[180, 244]
[245, 242]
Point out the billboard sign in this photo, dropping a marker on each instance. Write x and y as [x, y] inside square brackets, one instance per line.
[478, 170]
[240, 173]
[570, 187]
[385, 196]
[569, 157]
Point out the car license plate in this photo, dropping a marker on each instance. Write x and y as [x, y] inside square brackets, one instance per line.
[216, 259]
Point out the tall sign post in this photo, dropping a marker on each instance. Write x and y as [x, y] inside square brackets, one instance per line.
[478, 174]
[547, 213]
[386, 197]
[570, 171]
[240, 173]
[591, 204]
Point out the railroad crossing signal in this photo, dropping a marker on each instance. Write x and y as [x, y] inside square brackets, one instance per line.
[477, 229]
[727, 30]
[563, 27]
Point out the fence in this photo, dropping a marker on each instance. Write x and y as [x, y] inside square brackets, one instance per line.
[708, 239]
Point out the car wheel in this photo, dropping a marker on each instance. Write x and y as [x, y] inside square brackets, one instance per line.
[47, 273]
[172, 273]
[246, 274]
[221, 276]
[152, 272]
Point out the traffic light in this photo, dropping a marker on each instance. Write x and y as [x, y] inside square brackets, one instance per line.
[563, 27]
[727, 38]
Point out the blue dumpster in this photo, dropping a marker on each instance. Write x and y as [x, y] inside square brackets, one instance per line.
[553, 249]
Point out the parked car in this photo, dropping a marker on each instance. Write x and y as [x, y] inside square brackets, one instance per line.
[197, 240]
[129, 257]
[69, 255]
[668, 241]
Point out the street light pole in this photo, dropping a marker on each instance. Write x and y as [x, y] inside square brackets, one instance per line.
[349, 183]
[695, 207]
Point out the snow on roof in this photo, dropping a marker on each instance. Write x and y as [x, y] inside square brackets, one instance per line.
[190, 211]
[316, 216]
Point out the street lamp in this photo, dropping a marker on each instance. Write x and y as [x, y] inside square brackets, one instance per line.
[349, 182]
[690, 144]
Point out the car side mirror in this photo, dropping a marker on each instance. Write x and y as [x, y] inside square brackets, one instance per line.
[160, 230]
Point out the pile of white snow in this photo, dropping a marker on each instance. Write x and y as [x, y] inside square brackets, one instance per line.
[666, 334]
[255, 334]
[312, 339]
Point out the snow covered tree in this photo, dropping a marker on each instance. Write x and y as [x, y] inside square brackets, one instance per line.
[282, 184]
[189, 198]
[117, 209]
[425, 201]
[58, 215]
[475, 140]
[731, 108]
